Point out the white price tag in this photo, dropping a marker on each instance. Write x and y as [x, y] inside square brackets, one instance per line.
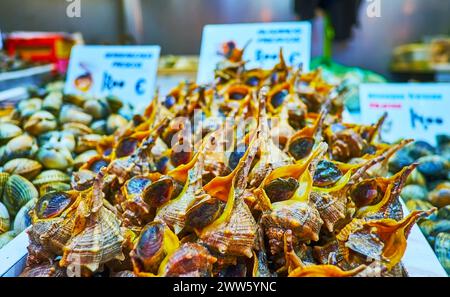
[415, 110]
[264, 42]
[128, 72]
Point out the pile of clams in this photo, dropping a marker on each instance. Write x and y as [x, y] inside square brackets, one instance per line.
[296, 192]
[429, 186]
[42, 141]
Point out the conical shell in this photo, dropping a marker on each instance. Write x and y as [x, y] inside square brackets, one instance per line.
[18, 191]
[100, 242]
[331, 209]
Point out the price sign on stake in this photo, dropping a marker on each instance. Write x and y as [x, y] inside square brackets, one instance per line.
[128, 72]
[418, 111]
[263, 42]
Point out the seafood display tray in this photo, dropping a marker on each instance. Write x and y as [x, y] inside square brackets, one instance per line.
[419, 259]
[25, 77]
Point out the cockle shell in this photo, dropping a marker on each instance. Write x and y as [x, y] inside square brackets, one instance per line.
[23, 218]
[73, 114]
[8, 131]
[6, 237]
[24, 167]
[22, 146]
[442, 249]
[29, 107]
[55, 156]
[18, 191]
[58, 137]
[50, 176]
[40, 122]
[83, 158]
[53, 102]
[4, 219]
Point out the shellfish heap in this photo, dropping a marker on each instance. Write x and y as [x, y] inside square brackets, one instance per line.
[296, 193]
[42, 140]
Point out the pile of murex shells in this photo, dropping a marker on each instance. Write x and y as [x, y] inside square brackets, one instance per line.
[42, 141]
[298, 192]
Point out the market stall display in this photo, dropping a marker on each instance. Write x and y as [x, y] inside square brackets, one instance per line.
[42, 141]
[293, 192]
[428, 186]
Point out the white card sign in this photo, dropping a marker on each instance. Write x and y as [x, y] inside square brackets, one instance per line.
[415, 110]
[263, 41]
[128, 72]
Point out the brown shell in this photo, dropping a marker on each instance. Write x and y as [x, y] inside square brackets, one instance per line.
[331, 209]
[191, 259]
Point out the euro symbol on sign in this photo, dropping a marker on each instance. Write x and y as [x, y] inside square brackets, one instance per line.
[139, 88]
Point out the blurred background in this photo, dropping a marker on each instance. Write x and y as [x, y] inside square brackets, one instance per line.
[177, 25]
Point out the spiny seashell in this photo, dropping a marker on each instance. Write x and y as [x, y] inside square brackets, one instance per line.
[154, 243]
[24, 167]
[331, 209]
[161, 191]
[53, 219]
[53, 187]
[76, 129]
[53, 102]
[18, 191]
[40, 122]
[99, 242]
[204, 212]
[99, 127]
[6, 237]
[73, 114]
[50, 176]
[83, 179]
[190, 259]
[442, 249]
[58, 137]
[98, 109]
[414, 192]
[22, 146]
[420, 205]
[440, 196]
[23, 218]
[114, 122]
[44, 270]
[55, 156]
[29, 107]
[4, 219]
[9, 131]
[83, 158]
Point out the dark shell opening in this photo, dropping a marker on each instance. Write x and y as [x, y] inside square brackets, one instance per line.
[297, 119]
[301, 148]
[137, 184]
[252, 81]
[203, 213]
[365, 193]
[97, 165]
[150, 241]
[327, 173]
[126, 147]
[179, 158]
[237, 95]
[161, 164]
[281, 189]
[170, 101]
[278, 98]
[161, 191]
[52, 205]
[234, 158]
